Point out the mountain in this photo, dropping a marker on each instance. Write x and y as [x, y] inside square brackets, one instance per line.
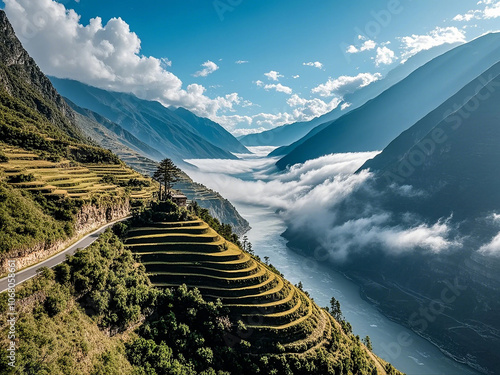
[444, 169]
[110, 135]
[397, 150]
[290, 133]
[139, 156]
[22, 80]
[150, 122]
[55, 183]
[129, 304]
[374, 125]
[452, 154]
[211, 131]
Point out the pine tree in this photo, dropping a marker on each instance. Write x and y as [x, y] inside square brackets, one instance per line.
[167, 173]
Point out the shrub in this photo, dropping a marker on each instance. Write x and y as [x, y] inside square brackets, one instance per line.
[18, 178]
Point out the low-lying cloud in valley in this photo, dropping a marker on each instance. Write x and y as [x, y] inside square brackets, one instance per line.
[324, 200]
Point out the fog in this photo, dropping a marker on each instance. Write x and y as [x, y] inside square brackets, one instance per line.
[324, 199]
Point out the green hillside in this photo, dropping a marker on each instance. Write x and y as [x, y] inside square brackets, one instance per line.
[275, 317]
[102, 312]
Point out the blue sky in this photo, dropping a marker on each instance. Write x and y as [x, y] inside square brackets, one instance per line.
[248, 64]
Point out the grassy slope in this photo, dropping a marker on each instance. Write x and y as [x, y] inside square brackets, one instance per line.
[80, 320]
[42, 210]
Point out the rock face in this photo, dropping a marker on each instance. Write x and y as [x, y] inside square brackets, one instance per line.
[88, 219]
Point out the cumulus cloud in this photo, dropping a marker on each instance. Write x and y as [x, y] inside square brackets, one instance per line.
[304, 109]
[368, 45]
[107, 56]
[345, 84]
[385, 56]
[279, 88]
[315, 64]
[490, 11]
[273, 75]
[413, 44]
[276, 87]
[318, 198]
[241, 62]
[208, 68]
[492, 248]
[345, 105]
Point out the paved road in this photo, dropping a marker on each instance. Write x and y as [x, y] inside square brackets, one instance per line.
[28, 273]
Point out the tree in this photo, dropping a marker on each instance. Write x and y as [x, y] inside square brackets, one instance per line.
[167, 173]
[336, 312]
[157, 176]
[368, 343]
[249, 249]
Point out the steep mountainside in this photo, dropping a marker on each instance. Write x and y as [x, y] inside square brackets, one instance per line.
[287, 134]
[211, 131]
[374, 125]
[150, 122]
[102, 312]
[21, 79]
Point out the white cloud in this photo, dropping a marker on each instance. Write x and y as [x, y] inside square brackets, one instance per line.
[385, 56]
[273, 75]
[413, 44]
[208, 68]
[493, 11]
[345, 84]
[277, 87]
[295, 76]
[490, 11]
[306, 109]
[107, 56]
[241, 62]
[368, 45]
[470, 15]
[344, 106]
[492, 248]
[315, 64]
[315, 198]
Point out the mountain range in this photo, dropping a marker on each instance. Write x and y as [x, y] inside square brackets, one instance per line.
[286, 135]
[375, 124]
[176, 134]
[443, 169]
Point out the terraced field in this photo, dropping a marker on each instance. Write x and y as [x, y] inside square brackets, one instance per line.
[272, 309]
[68, 179]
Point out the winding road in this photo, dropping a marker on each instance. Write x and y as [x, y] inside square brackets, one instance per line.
[87, 240]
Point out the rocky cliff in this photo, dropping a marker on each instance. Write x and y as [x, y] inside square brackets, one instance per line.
[89, 218]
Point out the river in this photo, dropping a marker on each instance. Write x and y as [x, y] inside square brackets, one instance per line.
[406, 350]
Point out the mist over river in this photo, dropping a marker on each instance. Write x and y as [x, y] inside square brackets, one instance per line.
[261, 196]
